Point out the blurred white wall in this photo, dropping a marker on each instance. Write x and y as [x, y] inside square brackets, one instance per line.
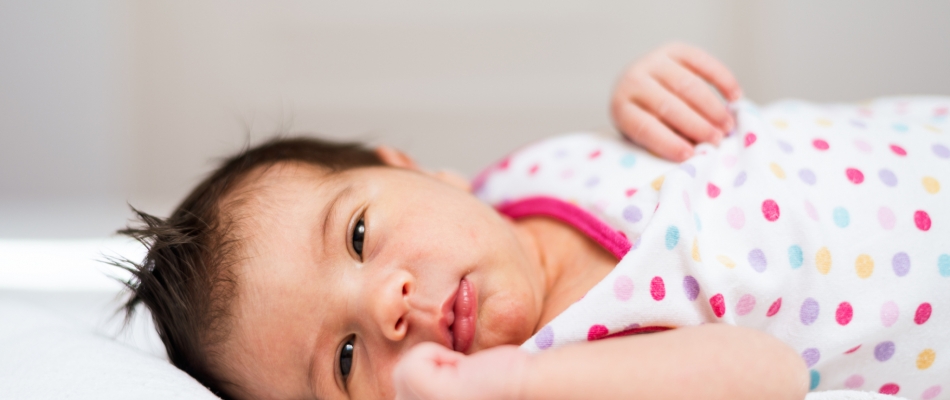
[104, 101]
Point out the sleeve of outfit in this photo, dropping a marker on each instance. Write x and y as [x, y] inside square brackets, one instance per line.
[827, 226]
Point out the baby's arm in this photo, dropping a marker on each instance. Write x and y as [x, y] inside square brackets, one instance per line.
[663, 101]
[713, 361]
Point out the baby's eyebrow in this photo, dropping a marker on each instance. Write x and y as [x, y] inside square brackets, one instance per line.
[329, 212]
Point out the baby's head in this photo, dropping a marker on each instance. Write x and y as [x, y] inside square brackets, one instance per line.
[304, 269]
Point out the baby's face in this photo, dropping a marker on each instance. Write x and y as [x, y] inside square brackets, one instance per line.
[343, 273]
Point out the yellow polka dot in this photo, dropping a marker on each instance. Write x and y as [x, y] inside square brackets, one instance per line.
[777, 170]
[864, 265]
[824, 122]
[696, 250]
[931, 185]
[823, 260]
[726, 261]
[658, 183]
[926, 358]
[933, 128]
[780, 123]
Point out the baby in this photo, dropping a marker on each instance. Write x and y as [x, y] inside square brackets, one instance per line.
[306, 269]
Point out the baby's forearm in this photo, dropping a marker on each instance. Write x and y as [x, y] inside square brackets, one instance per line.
[711, 361]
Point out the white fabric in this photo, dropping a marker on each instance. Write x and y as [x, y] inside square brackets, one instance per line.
[775, 230]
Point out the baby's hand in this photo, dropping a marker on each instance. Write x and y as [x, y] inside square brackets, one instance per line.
[662, 101]
[430, 371]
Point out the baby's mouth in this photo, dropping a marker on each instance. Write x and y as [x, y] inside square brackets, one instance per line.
[462, 325]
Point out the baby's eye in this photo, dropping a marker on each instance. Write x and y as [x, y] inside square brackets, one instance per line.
[358, 232]
[346, 359]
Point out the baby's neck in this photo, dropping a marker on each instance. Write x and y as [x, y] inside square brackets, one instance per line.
[571, 263]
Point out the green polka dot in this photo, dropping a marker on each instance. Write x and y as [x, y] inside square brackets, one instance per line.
[672, 237]
[795, 256]
[628, 160]
[944, 264]
[842, 218]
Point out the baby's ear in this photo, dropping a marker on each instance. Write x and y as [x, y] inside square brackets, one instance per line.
[396, 158]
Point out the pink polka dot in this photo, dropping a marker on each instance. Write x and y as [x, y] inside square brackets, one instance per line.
[686, 201]
[773, 309]
[863, 146]
[923, 313]
[889, 313]
[810, 209]
[854, 175]
[898, 150]
[623, 287]
[735, 217]
[712, 190]
[854, 381]
[745, 305]
[886, 217]
[853, 349]
[596, 332]
[657, 288]
[770, 210]
[890, 388]
[820, 144]
[729, 160]
[718, 304]
[844, 313]
[749, 139]
[534, 169]
[931, 392]
[922, 220]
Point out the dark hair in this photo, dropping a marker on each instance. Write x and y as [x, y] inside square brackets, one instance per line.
[185, 279]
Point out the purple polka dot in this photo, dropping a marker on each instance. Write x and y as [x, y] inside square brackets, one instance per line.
[757, 259]
[807, 176]
[863, 146]
[545, 338]
[884, 351]
[888, 177]
[593, 181]
[811, 356]
[623, 288]
[787, 148]
[941, 151]
[740, 179]
[632, 214]
[689, 168]
[809, 311]
[691, 286]
[901, 263]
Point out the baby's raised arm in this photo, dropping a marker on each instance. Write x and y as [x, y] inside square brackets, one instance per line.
[713, 361]
[663, 101]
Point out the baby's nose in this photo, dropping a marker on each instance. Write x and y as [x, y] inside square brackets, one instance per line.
[391, 306]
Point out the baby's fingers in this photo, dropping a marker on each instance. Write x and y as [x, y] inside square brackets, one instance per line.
[684, 84]
[676, 114]
[708, 67]
[647, 131]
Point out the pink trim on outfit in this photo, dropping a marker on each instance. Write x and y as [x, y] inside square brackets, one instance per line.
[610, 239]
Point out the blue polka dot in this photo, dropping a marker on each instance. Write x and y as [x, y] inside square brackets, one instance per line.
[795, 257]
[944, 264]
[900, 127]
[628, 160]
[842, 219]
[699, 225]
[672, 237]
[815, 380]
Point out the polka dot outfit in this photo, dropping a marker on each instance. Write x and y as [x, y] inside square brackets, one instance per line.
[827, 226]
